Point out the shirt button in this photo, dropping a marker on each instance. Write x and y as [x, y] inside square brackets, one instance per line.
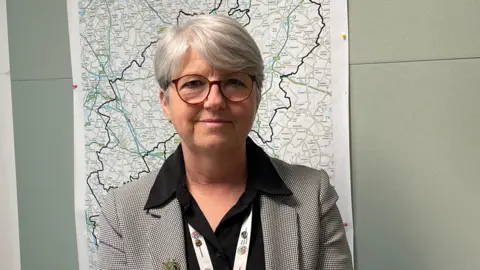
[219, 254]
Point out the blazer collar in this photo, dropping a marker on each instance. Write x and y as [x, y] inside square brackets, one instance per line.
[166, 237]
[280, 232]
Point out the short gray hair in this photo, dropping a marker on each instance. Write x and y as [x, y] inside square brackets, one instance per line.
[222, 41]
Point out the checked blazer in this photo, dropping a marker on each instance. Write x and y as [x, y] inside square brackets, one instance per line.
[300, 231]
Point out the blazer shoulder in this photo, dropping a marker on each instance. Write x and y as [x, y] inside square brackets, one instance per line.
[301, 179]
[134, 194]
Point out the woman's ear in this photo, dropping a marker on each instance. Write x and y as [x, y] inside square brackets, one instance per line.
[164, 102]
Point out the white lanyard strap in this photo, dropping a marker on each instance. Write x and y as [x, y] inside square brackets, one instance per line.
[243, 245]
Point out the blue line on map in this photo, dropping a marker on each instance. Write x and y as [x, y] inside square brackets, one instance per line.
[99, 75]
[135, 137]
[157, 156]
[130, 127]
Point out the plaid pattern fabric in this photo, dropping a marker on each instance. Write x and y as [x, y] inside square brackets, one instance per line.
[301, 231]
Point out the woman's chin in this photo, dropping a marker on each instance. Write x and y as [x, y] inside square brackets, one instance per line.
[216, 142]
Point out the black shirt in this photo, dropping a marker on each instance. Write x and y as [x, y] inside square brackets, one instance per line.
[262, 178]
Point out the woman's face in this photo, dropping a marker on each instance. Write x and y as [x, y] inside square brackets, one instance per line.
[215, 124]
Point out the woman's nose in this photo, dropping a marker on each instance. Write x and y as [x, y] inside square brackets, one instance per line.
[215, 98]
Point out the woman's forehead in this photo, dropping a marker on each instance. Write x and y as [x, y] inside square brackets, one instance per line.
[194, 63]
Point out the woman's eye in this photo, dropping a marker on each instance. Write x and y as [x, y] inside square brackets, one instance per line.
[235, 82]
[193, 84]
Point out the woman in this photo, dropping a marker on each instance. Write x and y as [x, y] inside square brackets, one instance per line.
[219, 201]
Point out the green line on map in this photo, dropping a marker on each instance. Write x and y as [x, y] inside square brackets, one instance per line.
[162, 28]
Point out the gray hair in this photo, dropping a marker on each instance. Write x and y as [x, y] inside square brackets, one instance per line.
[221, 40]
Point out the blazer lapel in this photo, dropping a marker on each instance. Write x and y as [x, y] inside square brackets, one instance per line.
[167, 243]
[280, 233]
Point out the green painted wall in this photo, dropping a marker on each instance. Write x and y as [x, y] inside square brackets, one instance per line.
[42, 100]
[415, 89]
[415, 133]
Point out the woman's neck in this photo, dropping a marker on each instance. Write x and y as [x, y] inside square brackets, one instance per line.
[216, 169]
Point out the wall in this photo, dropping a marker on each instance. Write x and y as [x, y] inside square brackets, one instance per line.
[415, 133]
[43, 126]
[415, 69]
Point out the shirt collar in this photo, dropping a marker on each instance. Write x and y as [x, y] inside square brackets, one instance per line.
[262, 176]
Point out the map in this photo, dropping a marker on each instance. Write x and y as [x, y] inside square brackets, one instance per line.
[124, 133]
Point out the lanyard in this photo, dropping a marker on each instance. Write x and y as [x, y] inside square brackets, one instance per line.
[201, 250]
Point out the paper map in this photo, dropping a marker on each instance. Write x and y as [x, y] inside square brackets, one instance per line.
[121, 133]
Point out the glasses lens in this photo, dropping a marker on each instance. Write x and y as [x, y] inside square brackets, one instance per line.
[193, 88]
[237, 86]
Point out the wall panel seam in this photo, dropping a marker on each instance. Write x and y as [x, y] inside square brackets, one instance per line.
[416, 61]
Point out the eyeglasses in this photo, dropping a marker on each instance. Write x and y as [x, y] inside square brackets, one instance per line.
[194, 89]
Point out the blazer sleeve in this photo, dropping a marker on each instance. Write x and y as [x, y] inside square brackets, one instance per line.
[111, 254]
[334, 250]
